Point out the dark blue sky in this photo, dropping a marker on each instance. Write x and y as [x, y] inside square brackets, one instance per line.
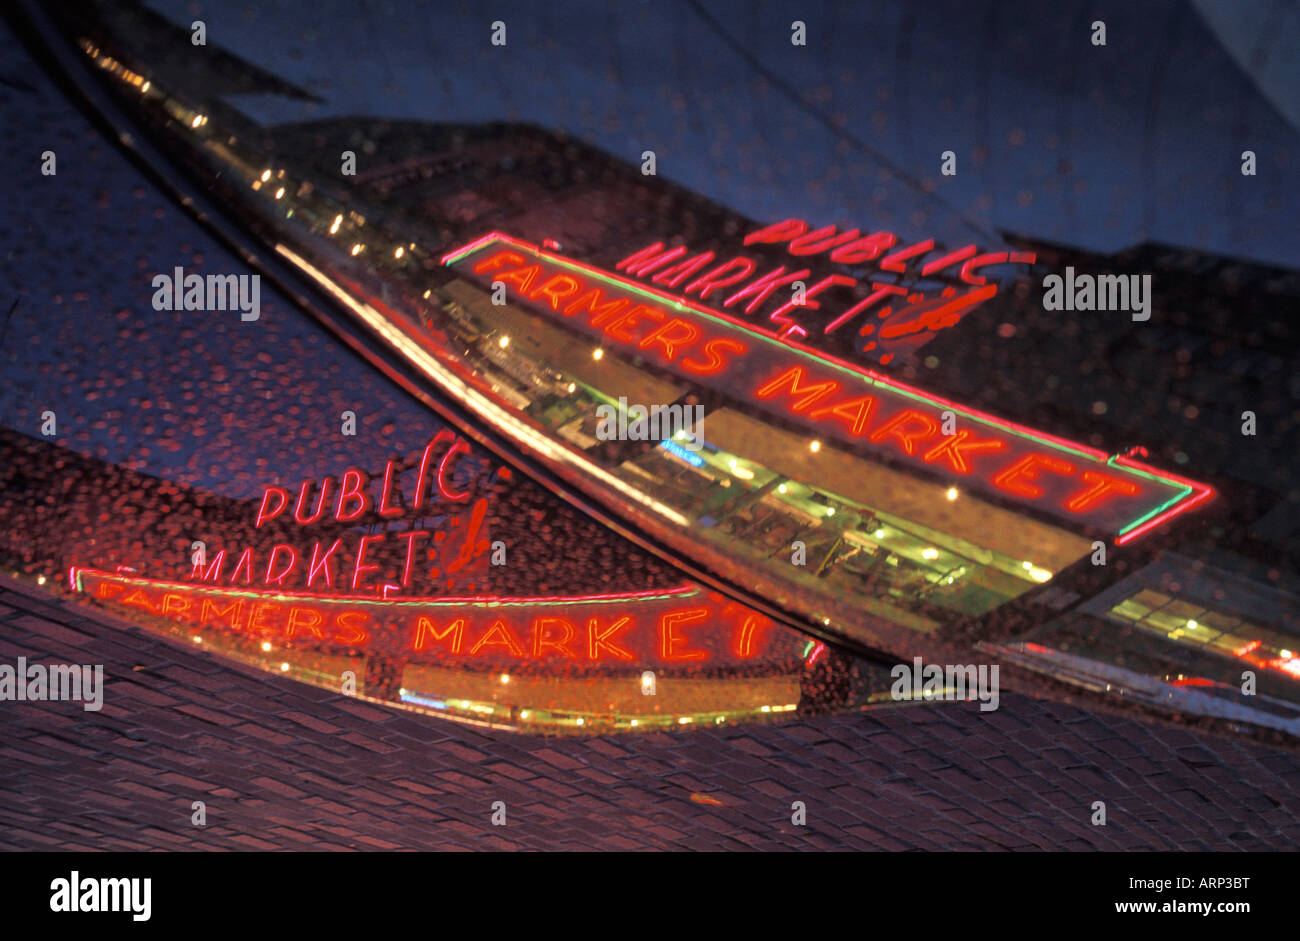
[1056, 138]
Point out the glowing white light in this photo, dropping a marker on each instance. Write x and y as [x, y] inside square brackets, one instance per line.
[485, 408]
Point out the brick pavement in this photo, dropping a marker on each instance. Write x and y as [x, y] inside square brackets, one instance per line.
[285, 766]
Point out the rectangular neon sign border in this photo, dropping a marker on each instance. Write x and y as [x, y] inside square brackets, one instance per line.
[479, 601]
[1167, 511]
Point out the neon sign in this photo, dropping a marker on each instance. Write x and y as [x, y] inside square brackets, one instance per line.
[682, 626]
[377, 562]
[862, 409]
[889, 318]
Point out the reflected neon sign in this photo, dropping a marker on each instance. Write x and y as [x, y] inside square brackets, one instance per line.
[679, 626]
[393, 560]
[891, 316]
[776, 373]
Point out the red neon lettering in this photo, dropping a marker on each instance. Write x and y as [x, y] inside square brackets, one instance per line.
[169, 608]
[674, 275]
[879, 293]
[255, 625]
[716, 362]
[778, 232]
[501, 631]
[941, 317]
[352, 490]
[793, 379]
[214, 567]
[521, 278]
[854, 412]
[384, 509]
[319, 562]
[445, 473]
[599, 312]
[895, 261]
[409, 536]
[209, 613]
[550, 289]
[808, 302]
[426, 632]
[661, 335]
[982, 261]
[953, 449]
[1103, 487]
[498, 260]
[924, 427]
[109, 590]
[138, 599]
[993, 258]
[293, 560]
[321, 497]
[670, 643]
[951, 258]
[542, 640]
[354, 635]
[262, 514]
[472, 546]
[706, 284]
[762, 288]
[864, 249]
[629, 319]
[598, 639]
[358, 567]
[438, 439]
[312, 626]
[1015, 479]
[245, 563]
[819, 240]
[745, 636]
[649, 259]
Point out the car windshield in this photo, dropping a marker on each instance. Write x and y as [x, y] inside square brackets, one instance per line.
[522, 402]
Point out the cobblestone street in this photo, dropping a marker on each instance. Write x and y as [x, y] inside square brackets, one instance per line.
[285, 766]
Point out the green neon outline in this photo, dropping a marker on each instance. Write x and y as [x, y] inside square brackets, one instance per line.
[253, 594]
[1186, 490]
